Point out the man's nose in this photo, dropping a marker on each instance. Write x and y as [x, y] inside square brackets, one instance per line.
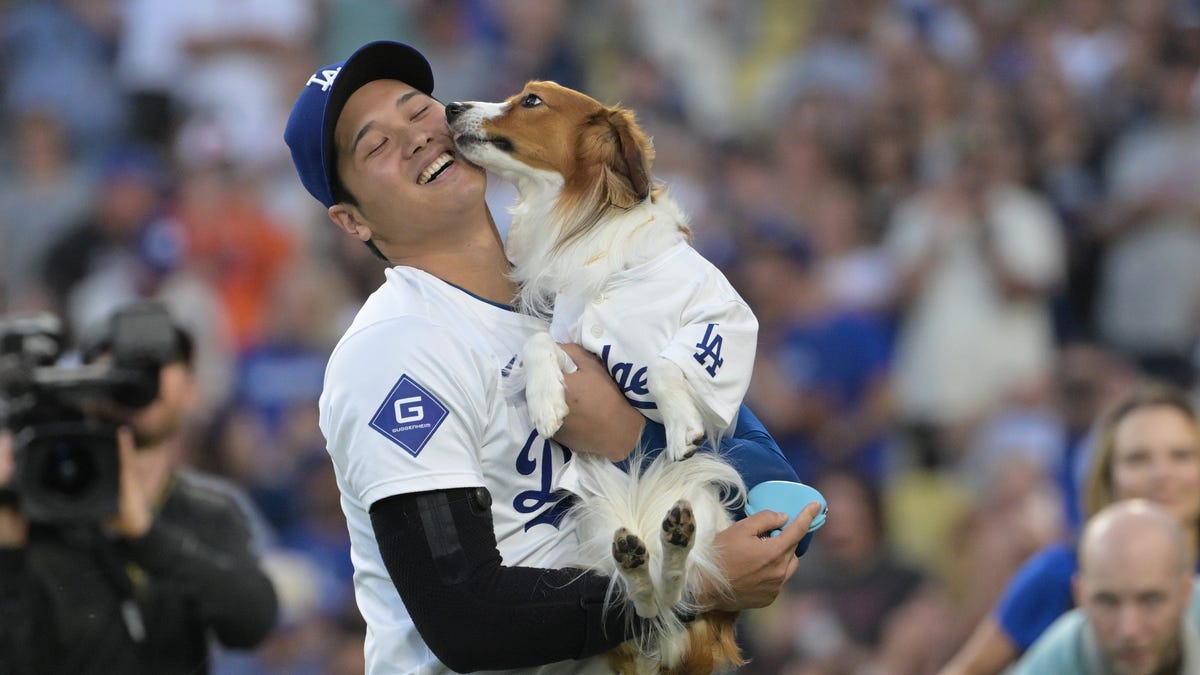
[1129, 623]
[455, 109]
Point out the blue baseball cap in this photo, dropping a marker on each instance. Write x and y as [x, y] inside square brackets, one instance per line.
[309, 132]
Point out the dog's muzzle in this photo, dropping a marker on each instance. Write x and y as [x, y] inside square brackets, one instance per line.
[454, 110]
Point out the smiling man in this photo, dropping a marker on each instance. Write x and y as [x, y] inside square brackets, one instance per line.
[451, 496]
[1137, 609]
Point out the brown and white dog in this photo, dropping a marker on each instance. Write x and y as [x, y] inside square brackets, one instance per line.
[594, 241]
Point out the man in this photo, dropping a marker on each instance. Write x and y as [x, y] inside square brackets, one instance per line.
[144, 592]
[450, 494]
[1136, 607]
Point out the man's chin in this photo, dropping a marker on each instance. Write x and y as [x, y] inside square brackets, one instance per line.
[1135, 662]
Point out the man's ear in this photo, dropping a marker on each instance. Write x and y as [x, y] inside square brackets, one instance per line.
[350, 221]
[191, 392]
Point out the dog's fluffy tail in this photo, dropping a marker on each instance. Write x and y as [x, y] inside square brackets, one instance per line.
[638, 500]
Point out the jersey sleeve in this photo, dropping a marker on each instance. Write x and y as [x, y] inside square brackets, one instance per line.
[715, 348]
[754, 453]
[404, 409]
[1037, 595]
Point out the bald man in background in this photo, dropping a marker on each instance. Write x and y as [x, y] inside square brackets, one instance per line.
[1136, 604]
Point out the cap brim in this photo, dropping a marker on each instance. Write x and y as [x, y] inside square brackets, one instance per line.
[383, 60]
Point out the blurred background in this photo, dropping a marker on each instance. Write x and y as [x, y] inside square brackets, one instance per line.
[967, 227]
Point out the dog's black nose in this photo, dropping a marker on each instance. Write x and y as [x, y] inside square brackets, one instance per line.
[454, 110]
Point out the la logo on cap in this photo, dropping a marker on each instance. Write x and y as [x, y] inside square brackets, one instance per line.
[329, 75]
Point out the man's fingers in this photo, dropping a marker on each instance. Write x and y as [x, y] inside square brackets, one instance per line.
[125, 445]
[761, 524]
[793, 564]
[7, 457]
[793, 533]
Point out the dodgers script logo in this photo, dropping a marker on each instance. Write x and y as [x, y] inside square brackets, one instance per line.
[629, 377]
[538, 458]
[409, 416]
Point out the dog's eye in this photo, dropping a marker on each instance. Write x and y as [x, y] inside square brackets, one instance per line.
[531, 101]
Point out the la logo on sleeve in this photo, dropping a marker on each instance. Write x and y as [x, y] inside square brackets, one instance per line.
[409, 416]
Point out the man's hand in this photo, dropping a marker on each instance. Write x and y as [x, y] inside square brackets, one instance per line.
[135, 505]
[600, 421]
[755, 563]
[13, 528]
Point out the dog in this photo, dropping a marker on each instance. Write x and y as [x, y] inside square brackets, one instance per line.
[604, 253]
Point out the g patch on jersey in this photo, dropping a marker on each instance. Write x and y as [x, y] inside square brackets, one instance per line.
[409, 415]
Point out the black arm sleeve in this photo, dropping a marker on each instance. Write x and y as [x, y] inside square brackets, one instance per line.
[474, 612]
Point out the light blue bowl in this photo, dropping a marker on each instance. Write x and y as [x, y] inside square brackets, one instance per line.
[790, 498]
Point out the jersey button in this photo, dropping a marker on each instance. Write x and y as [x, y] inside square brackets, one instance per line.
[598, 299]
[597, 331]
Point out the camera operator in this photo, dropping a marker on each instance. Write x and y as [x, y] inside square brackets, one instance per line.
[142, 591]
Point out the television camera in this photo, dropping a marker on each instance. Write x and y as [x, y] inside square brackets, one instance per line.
[64, 419]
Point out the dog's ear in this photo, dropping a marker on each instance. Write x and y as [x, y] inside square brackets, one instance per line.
[627, 157]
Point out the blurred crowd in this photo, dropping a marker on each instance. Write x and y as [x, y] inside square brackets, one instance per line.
[967, 227]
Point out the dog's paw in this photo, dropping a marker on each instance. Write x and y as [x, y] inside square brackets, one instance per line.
[683, 422]
[632, 557]
[684, 435]
[548, 418]
[679, 526]
[678, 535]
[628, 550]
[546, 396]
[545, 390]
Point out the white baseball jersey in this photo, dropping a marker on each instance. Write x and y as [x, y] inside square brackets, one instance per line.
[677, 305]
[413, 402]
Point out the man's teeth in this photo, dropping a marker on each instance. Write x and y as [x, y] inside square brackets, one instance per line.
[434, 169]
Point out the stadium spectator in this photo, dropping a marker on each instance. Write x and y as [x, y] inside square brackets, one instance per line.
[1137, 604]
